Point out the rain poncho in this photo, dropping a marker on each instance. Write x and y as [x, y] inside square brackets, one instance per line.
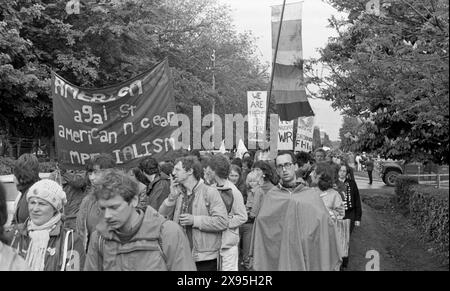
[294, 232]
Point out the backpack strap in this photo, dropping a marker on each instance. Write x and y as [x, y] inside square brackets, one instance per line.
[101, 247]
[160, 243]
[65, 249]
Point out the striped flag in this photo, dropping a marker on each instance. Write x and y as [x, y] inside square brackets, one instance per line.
[287, 86]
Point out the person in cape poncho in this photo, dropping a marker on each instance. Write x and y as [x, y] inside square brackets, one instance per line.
[293, 230]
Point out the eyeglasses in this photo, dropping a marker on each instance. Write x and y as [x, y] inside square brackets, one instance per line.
[284, 166]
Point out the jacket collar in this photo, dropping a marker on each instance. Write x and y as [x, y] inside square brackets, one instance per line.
[149, 230]
[298, 188]
[226, 186]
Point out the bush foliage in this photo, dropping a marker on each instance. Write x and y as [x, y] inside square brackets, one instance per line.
[403, 190]
[429, 210]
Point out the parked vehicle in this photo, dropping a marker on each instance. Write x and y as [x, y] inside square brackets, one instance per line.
[390, 170]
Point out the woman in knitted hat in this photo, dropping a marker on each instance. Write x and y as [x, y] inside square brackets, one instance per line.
[42, 240]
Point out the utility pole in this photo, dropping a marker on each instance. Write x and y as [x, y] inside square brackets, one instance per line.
[213, 60]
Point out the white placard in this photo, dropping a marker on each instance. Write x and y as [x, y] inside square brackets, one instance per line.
[304, 139]
[257, 111]
[286, 135]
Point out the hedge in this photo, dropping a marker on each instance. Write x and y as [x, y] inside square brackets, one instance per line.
[403, 186]
[429, 211]
[7, 166]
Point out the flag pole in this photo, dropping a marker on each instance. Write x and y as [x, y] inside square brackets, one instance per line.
[275, 57]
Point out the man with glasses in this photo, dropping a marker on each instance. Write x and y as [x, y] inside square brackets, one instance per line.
[296, 225]
[286, 167]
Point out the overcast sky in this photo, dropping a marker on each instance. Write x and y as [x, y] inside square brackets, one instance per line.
[255, 16]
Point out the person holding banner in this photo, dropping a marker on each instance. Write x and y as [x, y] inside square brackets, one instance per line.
[90, 214]
[131, 239]
[199, 209]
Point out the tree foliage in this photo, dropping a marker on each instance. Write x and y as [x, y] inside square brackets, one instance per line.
[113, 41]
[392, 72]
[317, 142]
[349, 134]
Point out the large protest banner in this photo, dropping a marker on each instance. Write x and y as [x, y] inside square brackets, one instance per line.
[257, 111]
[129, 120]
[286, 135]
[304, 139]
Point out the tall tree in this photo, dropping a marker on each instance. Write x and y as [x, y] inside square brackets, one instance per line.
[350, 134]
[392, 71]
[110, 42]
[326, 140]
[317, 142]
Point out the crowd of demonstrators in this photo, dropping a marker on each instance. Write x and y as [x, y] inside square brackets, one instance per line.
[203, 212]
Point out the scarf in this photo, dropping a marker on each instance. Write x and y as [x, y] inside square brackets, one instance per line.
[40, 236]
[187, 207]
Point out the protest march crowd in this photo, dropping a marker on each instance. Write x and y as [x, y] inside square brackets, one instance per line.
[202, 211]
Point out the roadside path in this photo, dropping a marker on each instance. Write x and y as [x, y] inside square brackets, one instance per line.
[390, 234]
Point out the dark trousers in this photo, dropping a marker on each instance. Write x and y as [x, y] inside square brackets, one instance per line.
[210, 265]
[370, 176]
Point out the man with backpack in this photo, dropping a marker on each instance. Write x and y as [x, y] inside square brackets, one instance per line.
[237, 213]
[130, 239]
[199, 209]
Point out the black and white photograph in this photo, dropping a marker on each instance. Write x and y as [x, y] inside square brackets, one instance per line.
[210, 136]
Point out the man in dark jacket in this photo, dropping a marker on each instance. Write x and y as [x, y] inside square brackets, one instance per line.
[159, 187]
[369, 168]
